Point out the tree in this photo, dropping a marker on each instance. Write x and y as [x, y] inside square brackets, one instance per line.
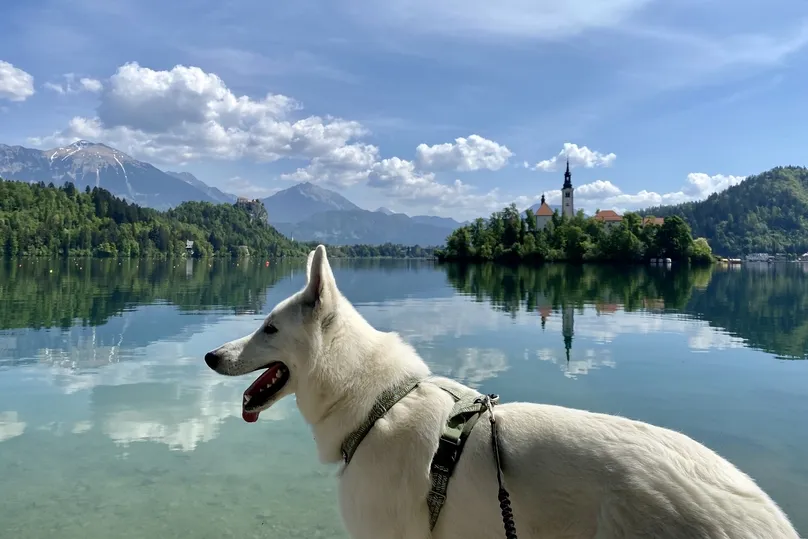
[509, 236]
[674, 239]
[700, 252]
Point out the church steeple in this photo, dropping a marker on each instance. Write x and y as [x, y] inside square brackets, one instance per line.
[567, 206]
[542, 198]
[568, 176]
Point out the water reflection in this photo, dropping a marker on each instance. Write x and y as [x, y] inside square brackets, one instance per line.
[767, 310]
[102, 387]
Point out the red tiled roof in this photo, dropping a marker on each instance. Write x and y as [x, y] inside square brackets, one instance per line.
[653, 221]
[607, 215]
[544, 210]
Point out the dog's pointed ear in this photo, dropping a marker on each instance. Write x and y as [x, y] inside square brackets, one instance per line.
[321, 287]
[308, 265]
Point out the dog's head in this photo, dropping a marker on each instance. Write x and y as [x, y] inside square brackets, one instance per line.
[286, 343]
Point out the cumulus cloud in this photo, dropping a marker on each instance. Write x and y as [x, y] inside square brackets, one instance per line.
[578, 157]
[15, 84]
[466, 154]
[341, 167]
[185, 113]
[74, 84]
[604, 194]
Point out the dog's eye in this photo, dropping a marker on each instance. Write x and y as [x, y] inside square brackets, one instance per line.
[269, 329]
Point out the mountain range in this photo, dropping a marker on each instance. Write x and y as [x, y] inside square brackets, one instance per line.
[304, 211]
[97, 165]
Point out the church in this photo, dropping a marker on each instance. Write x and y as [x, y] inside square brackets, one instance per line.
[545, 214]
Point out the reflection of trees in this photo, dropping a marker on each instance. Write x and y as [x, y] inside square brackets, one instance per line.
[36, 293]
[557, 285]
[769, 309]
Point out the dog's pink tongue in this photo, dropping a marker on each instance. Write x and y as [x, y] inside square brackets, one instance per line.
[249, 417]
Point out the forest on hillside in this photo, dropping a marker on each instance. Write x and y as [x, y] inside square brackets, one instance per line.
[764, 213]
[40, 220]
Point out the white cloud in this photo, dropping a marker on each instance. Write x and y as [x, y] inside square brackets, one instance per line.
[466, 154]
[185, 113]
[604, 194]
[341, 167]
[74, 85]
[578, 157]
[15, 84]
[91, 85]
[521, 19]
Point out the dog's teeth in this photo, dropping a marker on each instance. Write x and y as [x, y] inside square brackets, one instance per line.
[247, 399]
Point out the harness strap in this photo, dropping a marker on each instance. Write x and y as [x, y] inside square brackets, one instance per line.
[468, 407]
[466, 411]
[387, 399]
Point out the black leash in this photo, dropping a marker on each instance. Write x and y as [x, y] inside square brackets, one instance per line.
[504, 498]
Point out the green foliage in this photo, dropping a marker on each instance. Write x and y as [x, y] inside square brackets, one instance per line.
[765, 213]
[700, 251]
[507, 236]
[36, 220]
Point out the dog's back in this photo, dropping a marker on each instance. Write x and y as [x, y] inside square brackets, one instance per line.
[571, 475]
[575, 474]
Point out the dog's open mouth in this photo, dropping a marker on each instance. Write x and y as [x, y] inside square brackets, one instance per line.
[263, 389]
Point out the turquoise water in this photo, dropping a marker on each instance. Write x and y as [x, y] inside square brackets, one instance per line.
[111, 425]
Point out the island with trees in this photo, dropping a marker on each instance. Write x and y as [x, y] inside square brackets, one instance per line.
[509, 236]
[40, 220]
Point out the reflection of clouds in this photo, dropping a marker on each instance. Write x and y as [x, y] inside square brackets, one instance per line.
[592, 359]
[473, 365]
[81, 427]
[421, 322]
[162, 392]
[159, 393]
[183, 421]
[10, 426]
[709, 338]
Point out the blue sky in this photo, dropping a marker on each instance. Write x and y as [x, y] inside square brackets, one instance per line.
[424, 106]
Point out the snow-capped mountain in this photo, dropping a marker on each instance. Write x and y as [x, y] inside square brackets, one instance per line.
[97, 165]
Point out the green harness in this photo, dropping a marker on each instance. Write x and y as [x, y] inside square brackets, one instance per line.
[469, 405]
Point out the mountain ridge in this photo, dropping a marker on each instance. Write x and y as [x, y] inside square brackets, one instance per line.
[90, 164]
[302, 200]
[348, 227]
[213, 192]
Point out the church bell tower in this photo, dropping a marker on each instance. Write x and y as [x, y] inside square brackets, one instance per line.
[567, 206]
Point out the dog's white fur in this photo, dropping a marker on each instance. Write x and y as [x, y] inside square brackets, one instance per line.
[570, 473]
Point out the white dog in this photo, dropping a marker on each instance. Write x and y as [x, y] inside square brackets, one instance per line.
[571, 474]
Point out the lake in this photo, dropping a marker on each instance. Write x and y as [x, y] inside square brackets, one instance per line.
[111, 425]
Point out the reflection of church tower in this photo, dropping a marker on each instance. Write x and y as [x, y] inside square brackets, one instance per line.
[544, 311]
[567, 322]
[567, 206]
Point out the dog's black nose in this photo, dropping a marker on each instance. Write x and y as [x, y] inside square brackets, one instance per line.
[212, 360]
